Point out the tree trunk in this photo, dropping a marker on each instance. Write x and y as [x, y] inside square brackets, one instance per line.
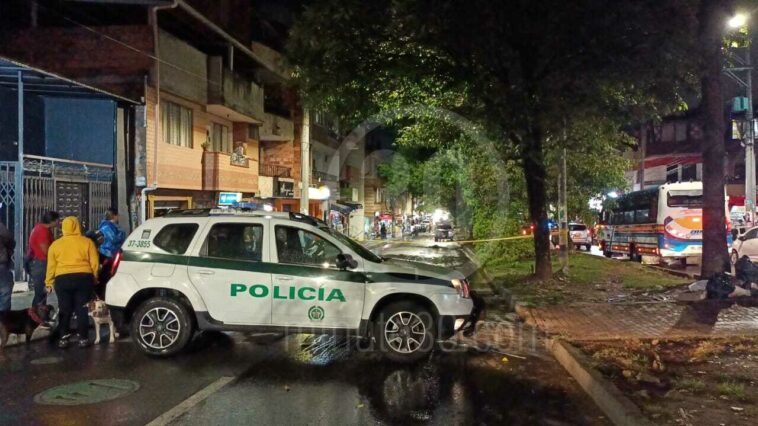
[712, 16]
[534, 173]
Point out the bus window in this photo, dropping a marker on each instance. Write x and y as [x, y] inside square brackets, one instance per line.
[688, 199]
[618, 218]
[642, 216]
[629, 216]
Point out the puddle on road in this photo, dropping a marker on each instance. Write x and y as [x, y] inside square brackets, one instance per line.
[46, 360]
[449, 388]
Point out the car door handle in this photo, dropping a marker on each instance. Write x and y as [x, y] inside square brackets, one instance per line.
[285, 278]
[206, 272]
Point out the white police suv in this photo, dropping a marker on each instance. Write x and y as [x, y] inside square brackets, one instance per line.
[283, 272]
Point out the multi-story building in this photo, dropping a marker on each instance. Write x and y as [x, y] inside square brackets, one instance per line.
[204, 111]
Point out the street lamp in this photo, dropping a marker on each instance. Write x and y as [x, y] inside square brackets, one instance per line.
[741, 21]
[737, 21]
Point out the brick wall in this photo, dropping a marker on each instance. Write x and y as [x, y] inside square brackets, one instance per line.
[186, 168]
[221, 175]
[84, 56]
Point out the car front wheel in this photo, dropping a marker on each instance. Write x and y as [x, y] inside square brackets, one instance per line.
[405, 332]
[161, 326]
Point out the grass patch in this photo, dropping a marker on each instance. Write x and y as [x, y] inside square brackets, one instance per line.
[732, 390]
[692, 385]
[587, 274]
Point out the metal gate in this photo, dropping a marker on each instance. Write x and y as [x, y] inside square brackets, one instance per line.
[71, 199]
[7, 192]
[72, 188]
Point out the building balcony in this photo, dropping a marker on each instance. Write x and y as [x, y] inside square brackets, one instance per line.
[229, 172]
[275, 170]
[320, 176]
[232, 96]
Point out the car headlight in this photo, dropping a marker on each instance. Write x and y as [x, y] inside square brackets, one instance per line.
[463, 287]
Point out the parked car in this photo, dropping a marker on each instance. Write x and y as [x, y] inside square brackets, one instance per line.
[197, 270]
[580, 236]
[745, 245]
[443, 231]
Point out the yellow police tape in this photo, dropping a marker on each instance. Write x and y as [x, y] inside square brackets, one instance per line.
[485, 240]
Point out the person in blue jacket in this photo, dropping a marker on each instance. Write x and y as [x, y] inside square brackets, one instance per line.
[112, 239]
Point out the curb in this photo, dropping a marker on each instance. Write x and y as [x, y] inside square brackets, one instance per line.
[675, 272]
[617, 407]
[611, 401]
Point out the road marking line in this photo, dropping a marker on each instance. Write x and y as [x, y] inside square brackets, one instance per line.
[190, 402]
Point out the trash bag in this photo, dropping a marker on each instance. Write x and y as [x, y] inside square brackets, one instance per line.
[746, 271]
[720, 286]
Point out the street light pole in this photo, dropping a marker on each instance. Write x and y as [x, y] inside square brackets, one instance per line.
[750, 133]
[738, 65]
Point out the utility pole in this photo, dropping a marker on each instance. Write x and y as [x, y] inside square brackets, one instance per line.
[749, 134]
[563, 239]
[744, 65]
[643, 154]
[305, 161]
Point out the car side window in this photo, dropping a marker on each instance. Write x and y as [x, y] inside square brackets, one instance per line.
[175, 238]
[299, 247]
[749, 235]
[237, 241]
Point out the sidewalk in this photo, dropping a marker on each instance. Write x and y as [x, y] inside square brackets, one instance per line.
[591, 322]
[22, 297]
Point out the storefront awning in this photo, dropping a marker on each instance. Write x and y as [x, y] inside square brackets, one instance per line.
[340, 208]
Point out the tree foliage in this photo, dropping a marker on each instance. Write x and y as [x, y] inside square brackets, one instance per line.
[522, 71]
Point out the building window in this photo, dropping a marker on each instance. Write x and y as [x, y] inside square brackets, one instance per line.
[221, 138]
[681, 131]
[672, 174]
[379, 195]
[176, 124]
[253, 132]
[689, 172]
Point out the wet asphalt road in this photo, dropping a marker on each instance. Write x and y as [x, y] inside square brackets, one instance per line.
[300, 379]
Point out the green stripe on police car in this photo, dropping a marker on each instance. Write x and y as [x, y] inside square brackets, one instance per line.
[288, 293]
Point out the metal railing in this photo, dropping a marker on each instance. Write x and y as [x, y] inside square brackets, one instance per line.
[324, 176]
[274, 170]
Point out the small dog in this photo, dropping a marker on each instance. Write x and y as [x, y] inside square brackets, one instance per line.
[101, 315]
[21, 322]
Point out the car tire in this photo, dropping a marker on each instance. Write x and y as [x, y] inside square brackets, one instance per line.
[164, 319]
[588, 247]
[413, 322]
[734, 257]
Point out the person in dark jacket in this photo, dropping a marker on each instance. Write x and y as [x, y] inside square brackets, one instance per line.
[7, 244]
[113, 237]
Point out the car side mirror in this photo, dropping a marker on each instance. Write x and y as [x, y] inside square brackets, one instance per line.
[741, 238]
[345, 261]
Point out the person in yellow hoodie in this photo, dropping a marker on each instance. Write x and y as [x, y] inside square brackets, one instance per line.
[72, 269]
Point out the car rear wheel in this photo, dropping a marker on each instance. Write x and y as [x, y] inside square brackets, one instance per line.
[588, 247]
[405, 332]
[161, 326]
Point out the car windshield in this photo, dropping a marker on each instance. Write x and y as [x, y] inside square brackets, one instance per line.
[357, 247]
[444, 226]
[577, 227]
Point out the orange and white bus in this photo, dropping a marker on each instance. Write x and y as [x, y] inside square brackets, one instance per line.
[664, 222]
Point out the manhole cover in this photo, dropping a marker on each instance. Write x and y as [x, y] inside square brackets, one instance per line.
[46, 360]
[87, 392]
